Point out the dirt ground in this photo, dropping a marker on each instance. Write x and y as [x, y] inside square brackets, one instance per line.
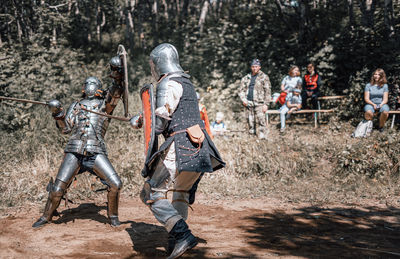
[259, 228]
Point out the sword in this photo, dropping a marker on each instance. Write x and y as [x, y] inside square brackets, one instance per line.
[107, 115]
[46, 103]
[122, 55]
[23, 100]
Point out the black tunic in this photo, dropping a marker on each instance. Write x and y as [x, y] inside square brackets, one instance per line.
[188, 156]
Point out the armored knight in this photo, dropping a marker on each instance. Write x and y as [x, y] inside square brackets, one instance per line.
[86, 149]
[186, 152]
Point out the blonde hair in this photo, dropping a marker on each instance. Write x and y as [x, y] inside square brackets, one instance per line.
[382, 77]
[292, 68]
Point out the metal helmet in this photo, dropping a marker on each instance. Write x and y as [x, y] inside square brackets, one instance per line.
[92, 87]
[116, 64]
[164, 59]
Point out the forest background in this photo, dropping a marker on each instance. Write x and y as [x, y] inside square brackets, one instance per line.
[48, 48]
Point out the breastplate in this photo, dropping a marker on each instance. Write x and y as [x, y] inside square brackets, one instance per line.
[88, 132]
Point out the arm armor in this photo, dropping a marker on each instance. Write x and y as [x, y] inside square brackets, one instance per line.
[114, 93]
[70, 116]
[161, 123]
[58, 113]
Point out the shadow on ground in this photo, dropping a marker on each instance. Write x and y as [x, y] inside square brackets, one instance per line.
[83, 211]
[335, 232]
[150, 241]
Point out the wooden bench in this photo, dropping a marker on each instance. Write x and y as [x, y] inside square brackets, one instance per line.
[316, 112]
[394, 117]
[298, 112]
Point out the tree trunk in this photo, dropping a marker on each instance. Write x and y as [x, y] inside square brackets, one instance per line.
[165, 9]
[351, 13]
[203, 15]
[154, 21]
[304, 18]
[280, 7]
[19, 30]
[389, 17]
[129, 24]
[184, 12]
[53, 42]
[368, 8]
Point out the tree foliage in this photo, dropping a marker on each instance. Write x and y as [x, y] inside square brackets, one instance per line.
[48, 47]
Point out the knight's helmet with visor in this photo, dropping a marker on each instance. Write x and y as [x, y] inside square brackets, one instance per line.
[92, 87]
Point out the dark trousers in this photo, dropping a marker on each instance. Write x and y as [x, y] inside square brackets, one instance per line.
[314, 99]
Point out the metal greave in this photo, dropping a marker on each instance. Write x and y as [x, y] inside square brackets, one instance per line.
[113, 201]
[54, 199]
[104, 169]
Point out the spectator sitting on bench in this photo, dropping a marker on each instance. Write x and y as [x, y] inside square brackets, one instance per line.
[376, 95]
[293, 103]
[218, 127]
[289, 82]
[311, 86]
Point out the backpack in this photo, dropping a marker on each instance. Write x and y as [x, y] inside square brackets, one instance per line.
[363, 129]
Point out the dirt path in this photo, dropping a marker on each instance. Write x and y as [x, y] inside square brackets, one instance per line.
[261, 228]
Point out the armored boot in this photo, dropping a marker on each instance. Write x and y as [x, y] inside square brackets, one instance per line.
[55, 195]
[112, 207]
[184, 239]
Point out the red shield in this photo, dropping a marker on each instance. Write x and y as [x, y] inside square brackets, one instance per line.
[147, 96]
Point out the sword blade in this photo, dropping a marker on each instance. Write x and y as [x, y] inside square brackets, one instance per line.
[122, 53]
[106, 115]
[22, 100]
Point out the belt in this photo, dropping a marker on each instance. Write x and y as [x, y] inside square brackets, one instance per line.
[179, 131]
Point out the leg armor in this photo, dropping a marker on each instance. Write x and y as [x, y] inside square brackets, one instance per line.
[68, 169]
[155, 190]
[104, 169]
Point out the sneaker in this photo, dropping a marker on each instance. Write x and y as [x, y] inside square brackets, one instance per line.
[282, 130]
[381, 130]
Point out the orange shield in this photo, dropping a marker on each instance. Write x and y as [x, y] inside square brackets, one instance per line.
[147, 96]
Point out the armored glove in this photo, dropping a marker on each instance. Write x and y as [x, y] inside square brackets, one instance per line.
[56, 108]
[136, 121]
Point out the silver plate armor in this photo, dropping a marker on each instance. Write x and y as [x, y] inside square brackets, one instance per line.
[164, 59]
[88, 129]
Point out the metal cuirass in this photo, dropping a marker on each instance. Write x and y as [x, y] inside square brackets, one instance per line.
[88, 129]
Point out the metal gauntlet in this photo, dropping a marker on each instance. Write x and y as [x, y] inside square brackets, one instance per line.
[58, 113]
[136, 121]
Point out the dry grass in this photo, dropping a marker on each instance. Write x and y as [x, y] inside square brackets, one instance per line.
[305, 165]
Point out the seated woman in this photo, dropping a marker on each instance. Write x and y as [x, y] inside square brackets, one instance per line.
[293, 103]
[376, 95]
[290, 82]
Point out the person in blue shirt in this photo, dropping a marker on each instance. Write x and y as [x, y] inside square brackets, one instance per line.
[376, 95]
